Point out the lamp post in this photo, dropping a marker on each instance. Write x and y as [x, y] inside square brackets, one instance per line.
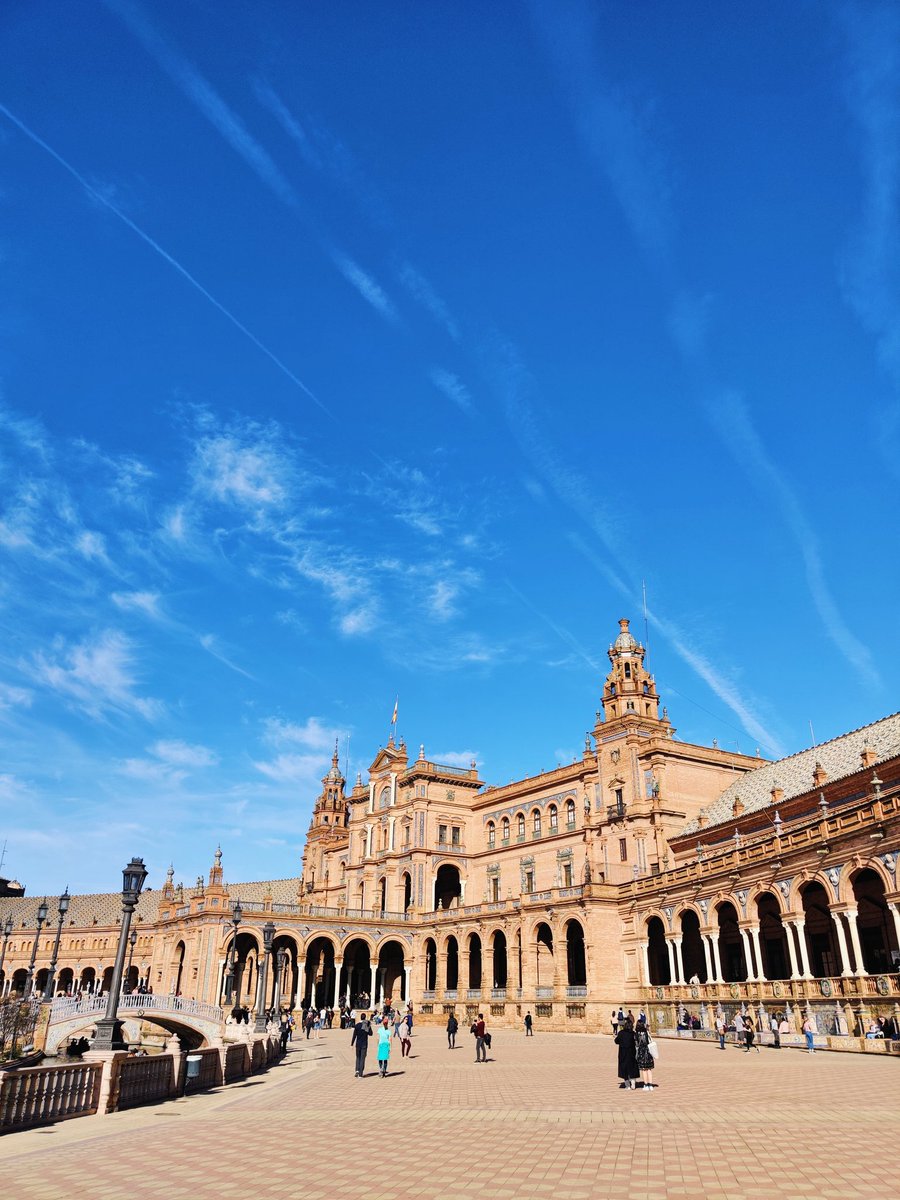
[109, 1027]
[29, 978]
[62, 909]
[7, 931]
[281, 959]
[268, 935]
[236, 914]
[132, 939]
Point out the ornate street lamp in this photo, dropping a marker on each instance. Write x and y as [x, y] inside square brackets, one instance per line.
[281, 958]
[7, 931]
[29, 978]
[132, 939]
[62, 909]
[268, 935]
[109, 1027]
[236, 914]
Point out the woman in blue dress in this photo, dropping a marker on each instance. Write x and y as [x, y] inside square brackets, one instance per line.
[384, 1046]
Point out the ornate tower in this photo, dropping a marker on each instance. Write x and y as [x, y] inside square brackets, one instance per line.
[327, 828]
[629, 693]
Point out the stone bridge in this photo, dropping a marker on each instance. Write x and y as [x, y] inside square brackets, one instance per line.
[198, 1024]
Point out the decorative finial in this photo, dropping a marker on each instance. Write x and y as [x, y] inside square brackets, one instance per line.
[421, 751]
[218, 856]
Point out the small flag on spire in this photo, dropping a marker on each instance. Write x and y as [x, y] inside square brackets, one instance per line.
[394, 717]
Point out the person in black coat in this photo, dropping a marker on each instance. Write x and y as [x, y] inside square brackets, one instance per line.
[628, 1068]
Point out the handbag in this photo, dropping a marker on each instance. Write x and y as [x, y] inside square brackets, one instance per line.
[653, 1049]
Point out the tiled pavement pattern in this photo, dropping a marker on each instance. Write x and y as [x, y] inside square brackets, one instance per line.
[543, 1118]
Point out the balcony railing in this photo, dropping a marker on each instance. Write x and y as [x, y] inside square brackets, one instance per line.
[570, 826]
[451, 847]
[428, 994]
[473, 993]
[450, 993]
[544, 993]
[576, 990]
[498, 993]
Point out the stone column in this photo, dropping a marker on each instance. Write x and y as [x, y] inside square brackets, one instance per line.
[679, 960]
[672, 968]
[800, 926]
[301, 982]
[338, 963]
[645, 959]
[894, 909]
[374, 985]
[792, 953]
[760, 970]
[842, 944]
[851, 915]
[710, 975]
[407, 989]
[748, 958]
[717, 962]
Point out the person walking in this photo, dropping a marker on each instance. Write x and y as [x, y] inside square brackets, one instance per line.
[738, 1029]
[721, 1029]
[362, 1031]
[628, 1068]
[452, 1030]
[405, 1036]
[615, 1023]
[478, 1028]
[749, 1033]
[285, 1033]
[775, 1026]
[642, 1053]
[384, 1046]
[809, 1032]
[784, 1027]
[529, 1025]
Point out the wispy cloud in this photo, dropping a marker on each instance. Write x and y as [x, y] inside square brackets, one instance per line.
[425, 295]
[96, 195]
[870, 274]
[12, 697]
[455, 758]
[453, 388]
[147, 603]
[98, 674]
[210, 644]
[182, 754]
[368, 287]
[313, 733]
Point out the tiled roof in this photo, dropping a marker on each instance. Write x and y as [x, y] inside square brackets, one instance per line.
[282, 891]
[794, 775]
[100, 908]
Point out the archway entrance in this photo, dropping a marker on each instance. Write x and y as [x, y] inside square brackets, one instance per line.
[824, 957]
[391, 975]
[499, 959]
[544, 955]
[692, 957]
[452, 964]
[447, 886]
[407, 891]
[576, 962]
[731, 945]
[877, 933]
[773, 938]
[430, 965]
[474, 962]
[657, 953]
[357, 974]
[319, 988]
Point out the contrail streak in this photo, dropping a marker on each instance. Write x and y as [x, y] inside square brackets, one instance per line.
[164, 254]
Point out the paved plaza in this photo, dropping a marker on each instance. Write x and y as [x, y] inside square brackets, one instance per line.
[543, 1118]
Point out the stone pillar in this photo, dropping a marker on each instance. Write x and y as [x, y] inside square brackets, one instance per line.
[373, 986]
[710, 975]
[407, 984]
[673, 971]
[760, 971]
[800, 926]
[679, 960]
[894, 909]
[717, 962]
[842, 944]
[645, 959]
[792, 953]
[338, 963]
[109, 1060]
[301, 982]
[748, 958]
[851, 915]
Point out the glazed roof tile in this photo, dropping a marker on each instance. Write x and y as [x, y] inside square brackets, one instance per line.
[794, 775]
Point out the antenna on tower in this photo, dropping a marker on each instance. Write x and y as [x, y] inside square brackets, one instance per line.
[3, 855]
[646, 622]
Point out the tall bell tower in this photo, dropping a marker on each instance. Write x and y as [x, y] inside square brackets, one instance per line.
[327, 828]
[629, 693]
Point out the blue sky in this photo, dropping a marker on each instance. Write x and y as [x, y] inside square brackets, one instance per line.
[350, 351]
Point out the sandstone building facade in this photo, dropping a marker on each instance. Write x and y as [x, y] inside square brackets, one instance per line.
[650, 872]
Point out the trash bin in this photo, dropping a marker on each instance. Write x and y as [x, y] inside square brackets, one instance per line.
[193, 1065]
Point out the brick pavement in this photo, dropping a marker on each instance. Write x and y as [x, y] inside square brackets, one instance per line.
[543, 1118]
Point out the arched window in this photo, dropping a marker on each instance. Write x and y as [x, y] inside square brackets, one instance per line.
[505, 830]
[628, 670]
[384, 800]
[536, 819]
[520, 825]
[492, 833]
[554, 818]
[343, 872]
[570, 814]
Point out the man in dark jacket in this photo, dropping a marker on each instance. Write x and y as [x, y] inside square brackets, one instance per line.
[362, 1031]
[479, 1031]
